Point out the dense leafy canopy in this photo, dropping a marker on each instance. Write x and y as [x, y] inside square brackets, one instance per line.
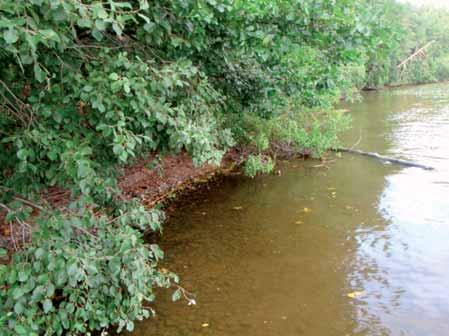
[87, 86]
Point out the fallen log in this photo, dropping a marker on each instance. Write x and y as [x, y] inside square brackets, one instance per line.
[384, 158]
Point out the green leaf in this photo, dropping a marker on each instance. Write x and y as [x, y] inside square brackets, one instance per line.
[39, 74]
[118, 30]
[17, 293]
[146, 18]
[50, 290]
[117, 149]
[100, 24]
[123, 156]
[38, 293]
[83, 169]
[21, 330]
[126, 87]
[96, 33]
[49, 34]
[176, 295]
[60, 278]
[100, 12]
[88, 88]
[39, 253]
[149, 27]
[10, 35]
[24, 274]
[47, 305]
[70, 308]
[115, 266]
[3, 253]
[157, 251]
[123, 5]
[22, 154]
[143, 4]
[84, 23]
[19, 308]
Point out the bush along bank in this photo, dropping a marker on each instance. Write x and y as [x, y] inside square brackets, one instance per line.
[88, 86]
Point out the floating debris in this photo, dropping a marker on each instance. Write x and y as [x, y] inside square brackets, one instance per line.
[356, 294]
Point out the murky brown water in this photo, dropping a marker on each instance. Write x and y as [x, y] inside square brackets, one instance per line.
[285, 263]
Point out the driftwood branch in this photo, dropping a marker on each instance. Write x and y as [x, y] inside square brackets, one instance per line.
[384, 158]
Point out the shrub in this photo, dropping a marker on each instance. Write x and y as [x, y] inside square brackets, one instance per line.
[258, 164]
[79, 274]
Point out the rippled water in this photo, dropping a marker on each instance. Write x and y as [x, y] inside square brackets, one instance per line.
[352, 247]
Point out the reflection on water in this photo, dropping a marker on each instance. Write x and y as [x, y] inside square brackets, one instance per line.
[407, 260]
[278, 255]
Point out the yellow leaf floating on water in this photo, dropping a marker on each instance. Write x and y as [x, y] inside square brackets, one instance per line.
[205, 325]
[237, 208]
[355, 294]
[307, 210]
[299, 222]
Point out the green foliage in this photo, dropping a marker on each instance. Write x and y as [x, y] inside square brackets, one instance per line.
[81, 273]
[89, 85]
[258, 164]
[308, 132]
[442, 68]
[404, 29]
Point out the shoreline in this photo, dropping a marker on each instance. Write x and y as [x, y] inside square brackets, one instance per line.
[172, 178]
[173, 174]
[397, 86]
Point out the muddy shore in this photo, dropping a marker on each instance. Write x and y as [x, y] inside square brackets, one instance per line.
[151, 180]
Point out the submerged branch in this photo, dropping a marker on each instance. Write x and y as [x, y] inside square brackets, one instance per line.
[384, 158]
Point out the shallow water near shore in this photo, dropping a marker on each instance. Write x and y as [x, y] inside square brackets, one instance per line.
[349, 247]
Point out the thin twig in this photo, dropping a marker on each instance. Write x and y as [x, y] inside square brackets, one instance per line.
[11, 234]
[23, 200]
[4, 206]
[26, 118]
[85, 231]
[27, 202]
[189, 297]
[26, 228]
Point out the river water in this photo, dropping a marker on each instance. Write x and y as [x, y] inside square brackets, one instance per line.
[352, 247]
